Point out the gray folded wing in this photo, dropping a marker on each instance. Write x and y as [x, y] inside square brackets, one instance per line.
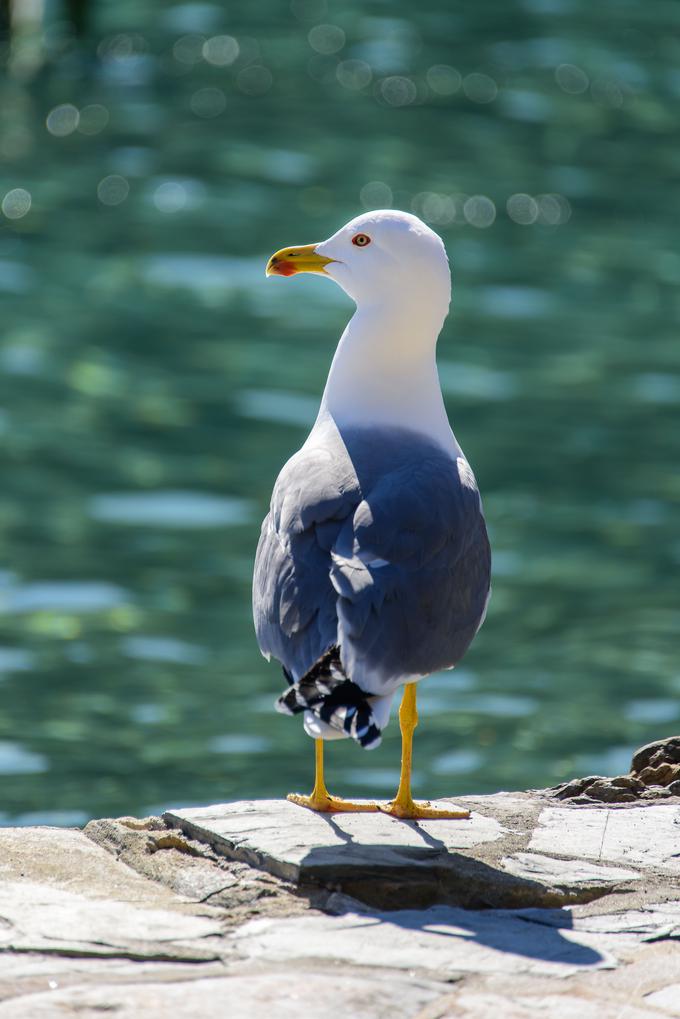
[412, 571]
[377, 544]
[294, 603]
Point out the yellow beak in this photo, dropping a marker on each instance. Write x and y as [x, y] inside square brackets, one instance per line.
[289, 261]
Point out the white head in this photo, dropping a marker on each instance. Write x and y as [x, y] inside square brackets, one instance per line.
[384, 372]
[386, 257]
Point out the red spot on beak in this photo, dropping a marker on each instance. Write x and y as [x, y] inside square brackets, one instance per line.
[284, 269]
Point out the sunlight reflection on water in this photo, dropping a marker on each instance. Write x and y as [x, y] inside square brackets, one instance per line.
[66, 596]
[16, 760]
[170, 509]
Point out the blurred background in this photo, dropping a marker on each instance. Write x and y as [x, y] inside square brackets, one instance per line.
[152, 382]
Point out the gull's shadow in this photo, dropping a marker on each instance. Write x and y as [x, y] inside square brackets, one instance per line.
[426, 836]
[532, 933]
[347, 837]
[343, 835]
[444, 894]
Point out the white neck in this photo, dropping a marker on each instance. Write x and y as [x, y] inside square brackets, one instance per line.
[384, 373]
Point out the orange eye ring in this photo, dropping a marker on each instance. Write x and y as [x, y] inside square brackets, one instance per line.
[361, 240]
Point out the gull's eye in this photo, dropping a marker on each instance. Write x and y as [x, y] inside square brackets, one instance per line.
[361, 240]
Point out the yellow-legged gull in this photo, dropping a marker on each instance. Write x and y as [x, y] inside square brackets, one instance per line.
[373, 565]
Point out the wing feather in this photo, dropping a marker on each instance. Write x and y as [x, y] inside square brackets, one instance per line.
[379, 547]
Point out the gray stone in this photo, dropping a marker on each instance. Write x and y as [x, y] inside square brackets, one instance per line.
[60, 893]
[575, 787]
[663, 751]
[188, 867]
[26, 973]
[478, 863]
[663, 775]
[620, 932]
[291, 839]
[64, 858]
[654, 775]
[475, 1003]
[596, 994]
[641, 836]
[567, 873]
[37, 918]
[657, 921]
[442, 941]
[378, 859]
[276, 995]
[667, 998]
[649, 784]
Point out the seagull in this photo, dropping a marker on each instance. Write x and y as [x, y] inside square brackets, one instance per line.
[373, 566]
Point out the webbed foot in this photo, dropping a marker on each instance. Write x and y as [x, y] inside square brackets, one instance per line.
[324, 803]
[412, 810]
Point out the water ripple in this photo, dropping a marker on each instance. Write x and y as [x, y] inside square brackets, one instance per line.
[65, 595]
[170, 509]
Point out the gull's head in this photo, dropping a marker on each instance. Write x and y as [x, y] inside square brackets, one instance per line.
[384, 256]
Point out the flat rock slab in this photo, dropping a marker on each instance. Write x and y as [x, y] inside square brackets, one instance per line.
[293, 839]
[668, 998]
[641, 836]
[509, 853]
[536, 867]
[23, 974]
[277, 995]
[376, 858]
[628, 991]
[61, 894]
[480, 1004]
[445, 941]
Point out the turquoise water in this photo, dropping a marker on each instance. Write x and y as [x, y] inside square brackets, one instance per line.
[152, 382]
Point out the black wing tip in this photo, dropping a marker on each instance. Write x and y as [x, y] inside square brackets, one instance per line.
[326, 691]
[372, 739]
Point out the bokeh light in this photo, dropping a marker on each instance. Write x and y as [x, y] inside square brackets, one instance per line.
[479, 211]
[571, 79]
[326, 38]
[93, 118]
[607, 92]
[436, 209]
[221, 50]
[553, 209]
[16, 203]
[170, 197]
[113, 190]
[444, 80]
[480, 88]
[523, 209]
[398, 90]
[62, 120]
[376, 195]
[354, 74]
[188, 49]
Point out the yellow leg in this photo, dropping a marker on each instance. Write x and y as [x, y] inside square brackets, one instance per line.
[403, 805]
[321, 799]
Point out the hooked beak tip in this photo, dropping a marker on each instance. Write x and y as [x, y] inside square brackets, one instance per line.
[289, 261]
